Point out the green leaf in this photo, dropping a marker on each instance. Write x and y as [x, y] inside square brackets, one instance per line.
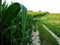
[10, 13]
[4, 7]
[0, 7]
[24, 17]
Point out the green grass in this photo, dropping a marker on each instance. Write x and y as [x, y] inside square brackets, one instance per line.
[38, 14]
[45, 37]
[54, 28]
[53, 18]
[52, 21]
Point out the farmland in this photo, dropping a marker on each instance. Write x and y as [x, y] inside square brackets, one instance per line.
[54, 18]
[53, 22]
[17, 25]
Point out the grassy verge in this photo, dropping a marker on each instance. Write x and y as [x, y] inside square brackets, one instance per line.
[52, 21]
[54, 28]
[45, 37]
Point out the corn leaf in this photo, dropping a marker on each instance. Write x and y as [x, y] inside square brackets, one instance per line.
[10, 13]
[24, 18]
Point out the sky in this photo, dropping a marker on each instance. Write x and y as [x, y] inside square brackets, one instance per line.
[52, 6]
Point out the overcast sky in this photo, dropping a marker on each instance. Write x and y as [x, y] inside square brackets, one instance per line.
[52, 6]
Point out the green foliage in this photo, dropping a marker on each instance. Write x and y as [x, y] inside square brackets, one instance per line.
[52, 22]
[7, 16]
[40, 15]
[16, 25]
[45, 36]
[54, 28]
[0, 7]
[24, 17]
[10, 13]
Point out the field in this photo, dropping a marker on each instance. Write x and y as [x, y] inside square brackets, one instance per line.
[45, 37]
[53, 22]
[17, 25]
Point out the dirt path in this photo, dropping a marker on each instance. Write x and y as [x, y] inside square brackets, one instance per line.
[35, 38]
[55, 36]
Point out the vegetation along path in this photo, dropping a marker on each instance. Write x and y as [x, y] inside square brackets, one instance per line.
[55, 36]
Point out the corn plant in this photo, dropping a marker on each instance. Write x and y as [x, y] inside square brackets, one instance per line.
[14, 25]
[0, 5]
[7, 16]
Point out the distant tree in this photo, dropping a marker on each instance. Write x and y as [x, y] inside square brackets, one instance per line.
[39, 10]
